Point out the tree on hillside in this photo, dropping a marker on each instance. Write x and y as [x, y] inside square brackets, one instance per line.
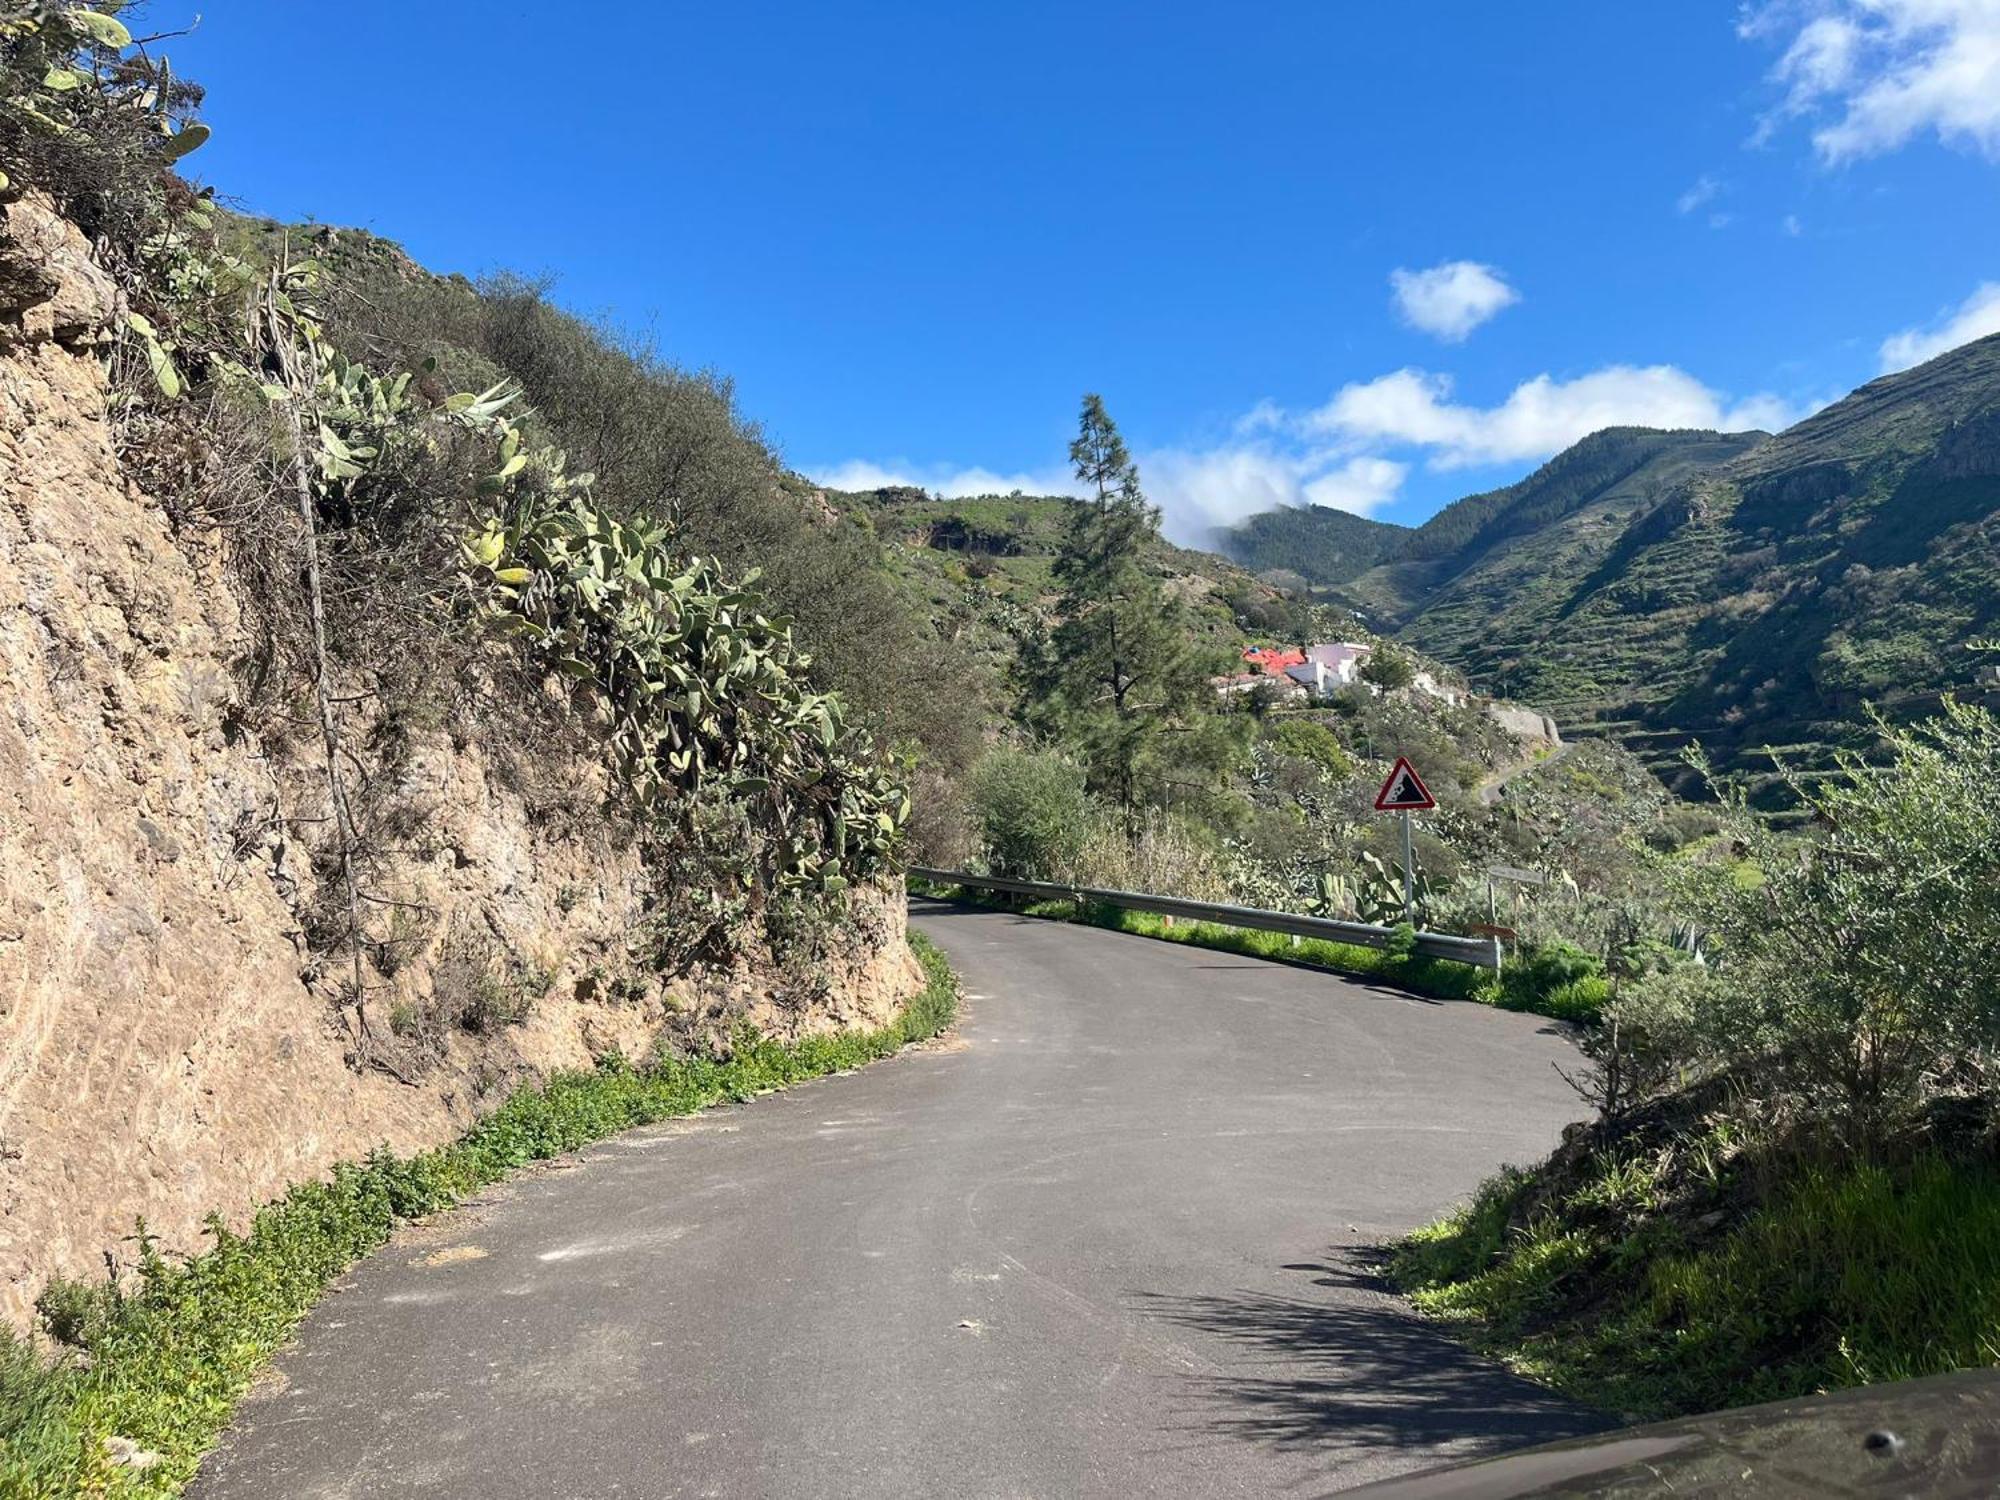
[1116, 677]
[1388, 668]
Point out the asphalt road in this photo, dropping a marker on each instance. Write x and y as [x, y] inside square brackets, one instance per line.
[1111, 1241]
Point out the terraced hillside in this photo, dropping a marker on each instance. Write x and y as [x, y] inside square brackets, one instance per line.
[1847, 561]
[1752, 591]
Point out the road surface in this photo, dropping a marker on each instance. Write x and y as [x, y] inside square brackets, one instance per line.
[1113, 1240]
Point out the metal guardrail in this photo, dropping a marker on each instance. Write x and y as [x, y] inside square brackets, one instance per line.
[1482, 951]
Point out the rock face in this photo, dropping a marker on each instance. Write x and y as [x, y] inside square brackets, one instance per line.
[169, 1044]
[1524, 723]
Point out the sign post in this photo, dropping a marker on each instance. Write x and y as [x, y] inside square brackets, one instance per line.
[1404, 792]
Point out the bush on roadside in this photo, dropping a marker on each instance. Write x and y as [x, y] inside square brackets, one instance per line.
[1161, 855]
[1612, 1291]
[1790, 1184]
[1536, 975]
[1859, 978]
[1033, 813]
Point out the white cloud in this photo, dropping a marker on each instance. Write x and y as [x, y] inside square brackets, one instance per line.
[1452, 299]
[1355, 452]
[1362, 485]
[1975, 317]
[948, 480]
[1874, 74]
[1198, 490]
[1705, 188]
[1792, 226]
[1540, 417]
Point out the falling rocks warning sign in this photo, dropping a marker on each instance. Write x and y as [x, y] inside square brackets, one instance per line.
[1404, 791]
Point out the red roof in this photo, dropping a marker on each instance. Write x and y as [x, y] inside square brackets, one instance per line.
[1272, 660]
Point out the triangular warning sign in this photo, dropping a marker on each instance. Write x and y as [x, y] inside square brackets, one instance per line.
[1404, 791]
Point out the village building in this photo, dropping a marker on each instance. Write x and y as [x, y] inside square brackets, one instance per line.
[1317, 671]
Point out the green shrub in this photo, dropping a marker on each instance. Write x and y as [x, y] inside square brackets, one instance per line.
[1859, 975]
[698, 688]
[1388, 667]
[1539, 972]
[1160, 854]
[1033, 813]
[1572, 1000]
[1303, 739]
[1847, 1274]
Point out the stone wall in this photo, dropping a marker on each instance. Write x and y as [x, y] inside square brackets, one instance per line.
[169, 1044]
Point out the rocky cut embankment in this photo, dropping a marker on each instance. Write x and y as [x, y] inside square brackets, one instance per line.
[170, 1043]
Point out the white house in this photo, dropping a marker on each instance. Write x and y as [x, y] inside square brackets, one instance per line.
[1328, 667]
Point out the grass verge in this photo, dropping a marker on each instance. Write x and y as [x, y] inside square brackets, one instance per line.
[1426, 976]
[1644, 1301]
[161, 1365]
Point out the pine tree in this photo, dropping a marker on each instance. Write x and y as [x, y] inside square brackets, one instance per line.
[1116, 674]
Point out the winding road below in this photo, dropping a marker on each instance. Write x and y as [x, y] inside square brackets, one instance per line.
[1493, 786]
[1112, 1240]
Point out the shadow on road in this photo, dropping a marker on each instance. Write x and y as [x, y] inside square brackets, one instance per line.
[1375, 1376]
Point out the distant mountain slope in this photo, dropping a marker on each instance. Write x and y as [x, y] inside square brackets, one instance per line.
[1503, 551]
[1748, 599]
[1320, 544]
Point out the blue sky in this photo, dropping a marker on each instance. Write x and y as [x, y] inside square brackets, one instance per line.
[915, 234]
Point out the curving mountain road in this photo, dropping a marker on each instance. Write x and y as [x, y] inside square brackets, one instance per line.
[1111, 1241]
[1491, 789]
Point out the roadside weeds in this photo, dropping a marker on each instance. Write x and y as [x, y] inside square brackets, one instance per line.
[145, 1378]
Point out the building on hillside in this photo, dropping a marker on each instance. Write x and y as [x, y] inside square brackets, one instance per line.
[1328, 667]
[1272, 661]
[1321, 671]
[1342, 659]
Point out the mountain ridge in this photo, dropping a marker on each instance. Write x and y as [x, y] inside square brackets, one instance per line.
[1750, 588]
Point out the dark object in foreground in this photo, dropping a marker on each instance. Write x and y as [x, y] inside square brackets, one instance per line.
[1938, 1437]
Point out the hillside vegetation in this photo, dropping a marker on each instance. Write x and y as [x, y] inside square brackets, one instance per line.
[980, 568]
[1745, 590]
[1315, 544]
[1791, 1182]
[425, 702]
[666, 444]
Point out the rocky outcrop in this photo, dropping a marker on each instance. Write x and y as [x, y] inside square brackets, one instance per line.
[1524, 723]
[169, 1044]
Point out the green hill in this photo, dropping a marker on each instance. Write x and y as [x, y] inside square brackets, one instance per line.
[1494, 570]
[1318, 543]
[1749, 591]
[978, 568]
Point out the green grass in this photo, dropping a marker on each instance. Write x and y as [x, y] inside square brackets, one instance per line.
[164, 1363]
[1843, 1275]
